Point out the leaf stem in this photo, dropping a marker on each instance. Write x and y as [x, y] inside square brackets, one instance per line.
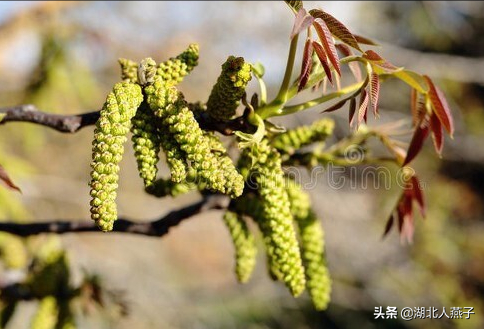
[299, 107]
[282, 94]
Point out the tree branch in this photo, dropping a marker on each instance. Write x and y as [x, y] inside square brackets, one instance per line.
[62, 123]
[73, 123]
[157, 228]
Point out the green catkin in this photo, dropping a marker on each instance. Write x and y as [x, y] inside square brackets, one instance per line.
[294, 139]
[129, 70]
[175, 69]
[277, 222]
[174, 157]
[229, 88]
[244, 244]
[109, 136]
[172, 109]
[46, 315]
[146, 143]
[252, 206]
[318, 281]
[163, 187]
[12, 251]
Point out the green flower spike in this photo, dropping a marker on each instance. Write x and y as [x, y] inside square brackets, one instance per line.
[146, 143]
[12, 251]
[244, 243]
[129, 70]
[318, 280]
[175, 69]
[109, 136]
[229, 89]
[170, 106]
[294, 139]
[276, 224]
[46, 315]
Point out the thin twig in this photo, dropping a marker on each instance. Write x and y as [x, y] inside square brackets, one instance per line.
[157, 228]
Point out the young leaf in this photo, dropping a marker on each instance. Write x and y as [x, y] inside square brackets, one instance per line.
[413, 106]
[295, 5]
[374, 92]
[307, 63]
[412, 79]
[6, 179]
[352, 111]
[258, 69]
[337, 28]
[437, 133]
[379, 61]
[354, 66]
[336, 106]
[364, 99]
[389, 225]
[417, 194]
[440, 106]
[322, 58]
[419, 136]
[364, 40]
[303, 21]
[328, 43]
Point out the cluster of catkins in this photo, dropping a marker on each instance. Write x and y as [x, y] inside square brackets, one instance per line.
[292, 234]
[148, 104]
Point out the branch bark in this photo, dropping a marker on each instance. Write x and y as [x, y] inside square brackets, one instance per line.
[156, 228]
[73, 123]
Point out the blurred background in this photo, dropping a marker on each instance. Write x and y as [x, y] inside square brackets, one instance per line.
[62, 57]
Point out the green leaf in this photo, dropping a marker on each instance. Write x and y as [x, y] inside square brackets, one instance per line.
[412, 79]
[258, 69]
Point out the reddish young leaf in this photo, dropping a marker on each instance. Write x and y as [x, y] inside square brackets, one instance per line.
[6, 179]
[389, 225]
[328, 43]
[437, 133]
[322, 58]
[419, 136]
[337, 28]
[352, 111]
[307, 63]
[364, 99]
[336, 106]
[354, 66]
[417, 194]
[364, 40]
[406, 225]
[408, 228]
[440, 106]
[413, 106]
[303, 21]
[380, 61]
[374, 92]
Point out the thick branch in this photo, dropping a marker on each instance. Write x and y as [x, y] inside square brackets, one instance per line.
[156, 228]
[73, 123]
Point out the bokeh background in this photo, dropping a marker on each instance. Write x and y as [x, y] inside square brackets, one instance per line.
[62, 57]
